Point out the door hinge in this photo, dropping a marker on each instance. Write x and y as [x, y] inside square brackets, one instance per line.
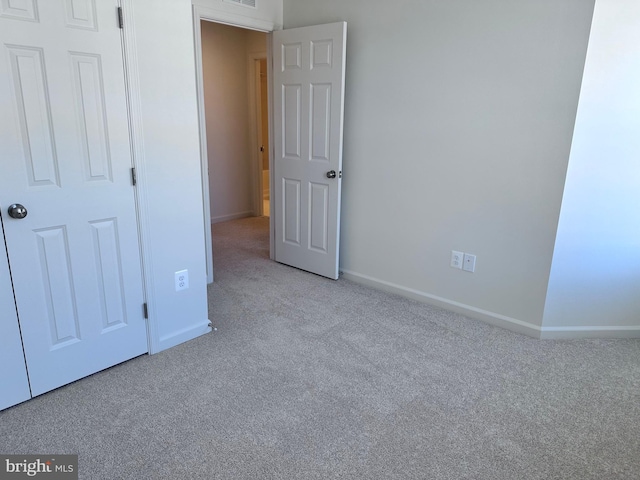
[120, 18]
[145, 310]
[134, 179]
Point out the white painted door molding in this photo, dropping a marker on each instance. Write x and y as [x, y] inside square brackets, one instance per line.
[204, 160]
[132, 78]
[219, 16]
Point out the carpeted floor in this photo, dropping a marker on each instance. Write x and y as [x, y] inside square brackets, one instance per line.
[307, 378]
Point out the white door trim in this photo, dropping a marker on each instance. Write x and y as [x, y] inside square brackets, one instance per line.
[204, 161]
[272, 213]
[132, 79]
[213, 15]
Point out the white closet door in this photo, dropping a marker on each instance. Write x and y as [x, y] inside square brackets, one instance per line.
[64, 144]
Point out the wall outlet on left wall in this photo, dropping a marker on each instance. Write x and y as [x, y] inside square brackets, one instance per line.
[182, 280]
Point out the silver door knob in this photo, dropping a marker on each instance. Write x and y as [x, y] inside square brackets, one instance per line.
[17, 211]
[331, 174]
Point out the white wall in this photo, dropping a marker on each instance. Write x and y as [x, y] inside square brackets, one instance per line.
[458, 125]
[595, 278]
[160, 40]
[231, 158]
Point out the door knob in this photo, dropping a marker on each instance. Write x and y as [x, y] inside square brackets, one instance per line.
[331, 174]
[17, 211]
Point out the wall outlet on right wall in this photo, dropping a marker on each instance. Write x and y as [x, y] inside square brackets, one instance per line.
[469, 263]
[456, 259]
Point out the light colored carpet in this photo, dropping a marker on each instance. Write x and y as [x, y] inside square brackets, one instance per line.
[307, 378]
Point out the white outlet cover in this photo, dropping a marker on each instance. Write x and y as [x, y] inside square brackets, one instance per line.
[182, 280]
[456, 259]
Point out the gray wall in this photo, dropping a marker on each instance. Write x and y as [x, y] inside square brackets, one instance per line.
[458, 126]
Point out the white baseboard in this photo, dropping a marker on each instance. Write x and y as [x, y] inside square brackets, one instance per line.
[491, 318]
[513, 324]
[562, 333]
[184, 335]
[233, 216]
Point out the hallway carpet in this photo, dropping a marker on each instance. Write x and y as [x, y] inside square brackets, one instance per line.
[309, 378]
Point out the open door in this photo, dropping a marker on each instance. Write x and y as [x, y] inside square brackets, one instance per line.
[308, 79]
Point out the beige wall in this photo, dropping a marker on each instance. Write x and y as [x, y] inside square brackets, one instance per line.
[225, 61]
[458, 126]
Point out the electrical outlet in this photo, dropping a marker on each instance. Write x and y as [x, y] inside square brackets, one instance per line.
[469, 263]
[182, 280]
[456, 259]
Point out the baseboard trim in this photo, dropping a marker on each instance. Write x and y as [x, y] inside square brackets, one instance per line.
[562, 333]
[184, 335]
[233, 216]
[491, 318]
[496, 319]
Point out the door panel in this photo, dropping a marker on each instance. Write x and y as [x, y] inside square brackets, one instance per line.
[308, 117]
[20, 9]
[319, 214]
[34, 112]
[81, 14]
[89, 100]
[74, 259]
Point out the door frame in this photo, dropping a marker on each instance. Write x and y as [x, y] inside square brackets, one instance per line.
[212, 15]
[139, 162]
[255, 120]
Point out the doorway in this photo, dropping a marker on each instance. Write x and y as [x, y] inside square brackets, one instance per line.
[308, 103]
[232, 83]
[262, 117]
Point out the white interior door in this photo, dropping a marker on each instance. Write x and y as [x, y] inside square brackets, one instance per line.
[13, 373]
[309, 72]
[64, 144]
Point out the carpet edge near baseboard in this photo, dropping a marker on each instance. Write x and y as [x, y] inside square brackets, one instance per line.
[492, 318]
[496, 319]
